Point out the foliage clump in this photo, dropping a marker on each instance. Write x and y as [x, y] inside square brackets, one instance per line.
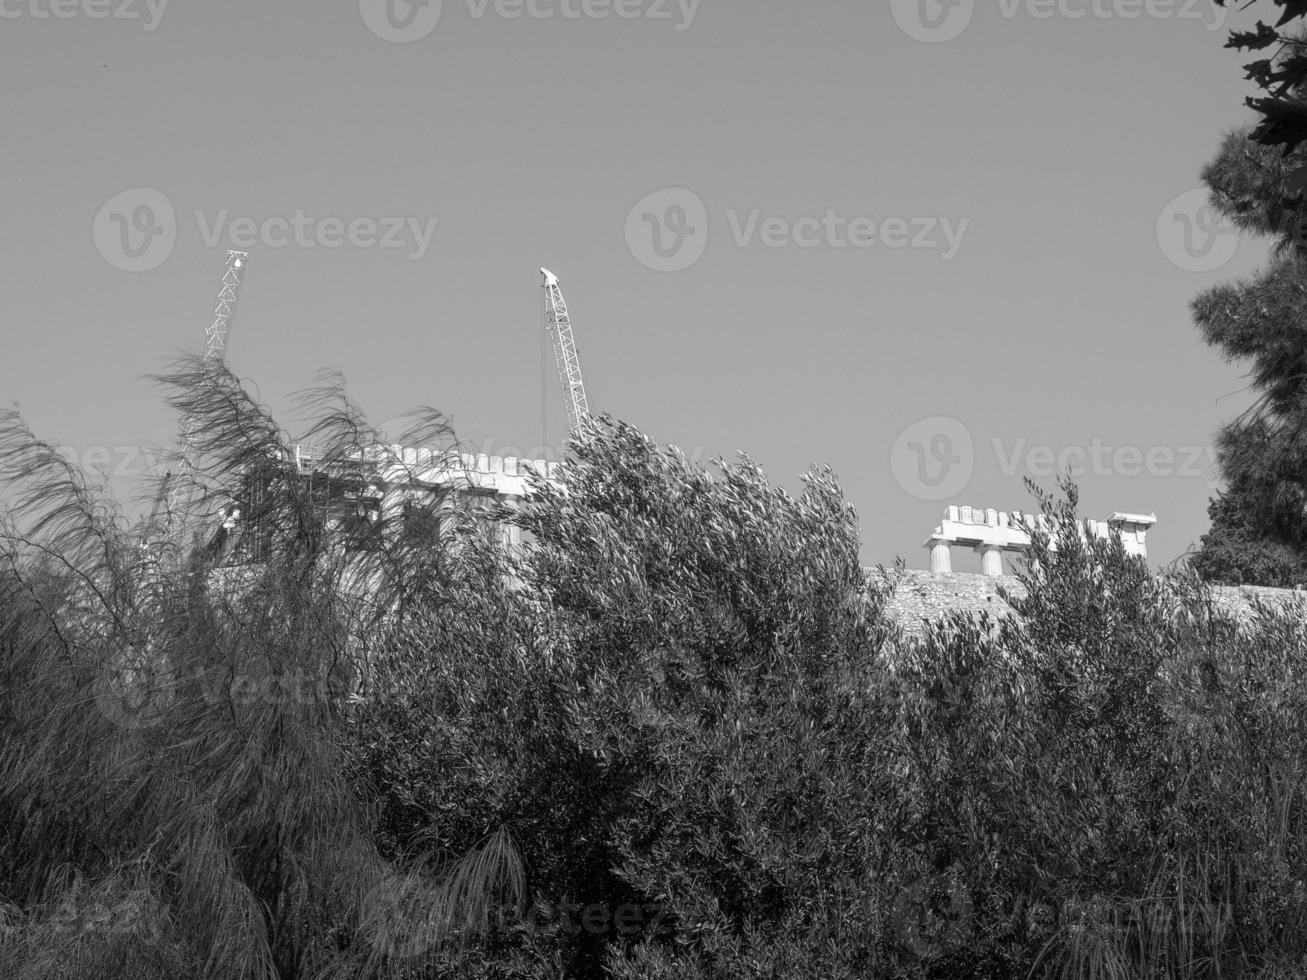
[675, 734]
[709, 716]
[173, 780]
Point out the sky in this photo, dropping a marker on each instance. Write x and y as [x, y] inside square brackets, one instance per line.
[938, 247]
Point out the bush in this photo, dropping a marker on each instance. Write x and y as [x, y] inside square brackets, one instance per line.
[694, 708]
[675, 736]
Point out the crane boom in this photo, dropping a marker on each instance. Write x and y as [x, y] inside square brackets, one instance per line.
[559, 325]
[215, 350]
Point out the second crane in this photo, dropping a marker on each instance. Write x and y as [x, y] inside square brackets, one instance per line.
[559, 325]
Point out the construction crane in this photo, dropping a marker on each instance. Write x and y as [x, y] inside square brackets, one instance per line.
[559, 325]
[175, 488]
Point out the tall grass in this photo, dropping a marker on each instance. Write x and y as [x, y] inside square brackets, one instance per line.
[173, 790]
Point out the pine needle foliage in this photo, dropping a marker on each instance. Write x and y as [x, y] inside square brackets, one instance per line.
[1259, 527]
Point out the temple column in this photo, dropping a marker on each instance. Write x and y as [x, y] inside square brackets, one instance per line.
[941, 559]
[991, 559]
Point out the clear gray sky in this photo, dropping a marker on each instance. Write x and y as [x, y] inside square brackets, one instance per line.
[1032, 300]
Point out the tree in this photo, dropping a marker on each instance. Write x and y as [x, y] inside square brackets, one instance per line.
[718, 759]
[1257, 535]
[675, 723]
[722, 636]
[1259, 521]
[1280, 76]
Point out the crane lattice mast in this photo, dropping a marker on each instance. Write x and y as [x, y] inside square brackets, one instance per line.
[559, 325]
[215, 350]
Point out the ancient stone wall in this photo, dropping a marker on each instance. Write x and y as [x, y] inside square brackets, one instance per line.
[920, 596]
[923, 596]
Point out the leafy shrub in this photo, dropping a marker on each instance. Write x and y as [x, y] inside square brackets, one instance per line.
[694, 705]
[675, 736]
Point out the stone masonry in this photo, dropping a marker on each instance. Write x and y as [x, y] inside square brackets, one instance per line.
[920, 596]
